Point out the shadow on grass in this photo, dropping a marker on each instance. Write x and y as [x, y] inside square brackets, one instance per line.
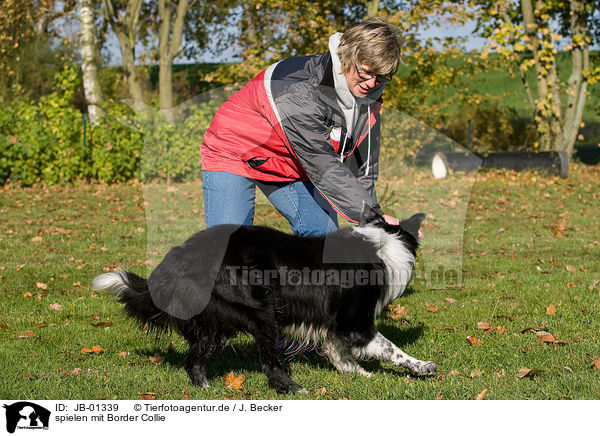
[245, 356]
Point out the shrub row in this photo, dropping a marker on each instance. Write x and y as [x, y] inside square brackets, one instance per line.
[50, 140]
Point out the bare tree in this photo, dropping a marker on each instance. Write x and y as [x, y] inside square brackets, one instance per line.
[89, 60]
[125, 24]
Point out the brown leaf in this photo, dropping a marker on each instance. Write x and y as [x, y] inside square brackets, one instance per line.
[27, 295]
[41, 285]
[148, 396]
[398, 312]
[483, 394]
[596, 363]
[476, 373]
[102, 323]
[549, 339]
[55, 306]
[551, 309]
[233, 383]
[484, 325]
[474, 341]
[27, 334]
[529, 372]
[451, 300]
[157, 359]
[323, 391]
[571, 268]
[123, 354]
[96, 349]
[36, 239]
[431, 308]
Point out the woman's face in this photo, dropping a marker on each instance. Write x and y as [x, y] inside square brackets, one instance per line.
[361, 82]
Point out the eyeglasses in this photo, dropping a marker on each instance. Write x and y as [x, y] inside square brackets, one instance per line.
[379, 78]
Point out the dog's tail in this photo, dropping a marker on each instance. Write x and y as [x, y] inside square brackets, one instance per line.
[132, 290]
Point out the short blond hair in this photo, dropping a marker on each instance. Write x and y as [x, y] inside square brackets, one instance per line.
[375, 43]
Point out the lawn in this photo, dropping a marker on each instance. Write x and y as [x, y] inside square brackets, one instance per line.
[519, 321]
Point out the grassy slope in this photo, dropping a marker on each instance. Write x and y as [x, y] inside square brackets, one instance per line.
[521, 232]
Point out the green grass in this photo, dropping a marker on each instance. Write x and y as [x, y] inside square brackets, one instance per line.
[521, 232]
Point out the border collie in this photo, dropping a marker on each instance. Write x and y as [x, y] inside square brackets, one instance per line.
[324, 292]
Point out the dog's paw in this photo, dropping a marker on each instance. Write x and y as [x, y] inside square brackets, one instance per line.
[291, 388]
[200, 381]
[425, 368]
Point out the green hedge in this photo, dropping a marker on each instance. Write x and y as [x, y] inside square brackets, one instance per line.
[44, 141]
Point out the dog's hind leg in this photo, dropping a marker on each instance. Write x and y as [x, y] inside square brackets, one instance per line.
[265, 333]
[341, 360]
[195, 361]
[383, 349]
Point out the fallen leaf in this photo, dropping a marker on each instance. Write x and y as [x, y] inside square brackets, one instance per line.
[323, 391]
[596, 363]
[102, 323]
[148, 396]
[234, 383]
[551, 309]
[76, 372]
[529, 372]
[27, 295]
[95, 349]
[451, 300]
[36, 239]
[483, 394]
[157, 359]
[484, 325]
[476, 373]
[27, 334]
[55, 306]
[398, 312]
[123, 354]
[41, 285]
[571, 268]
[474, 341]
[431, 308]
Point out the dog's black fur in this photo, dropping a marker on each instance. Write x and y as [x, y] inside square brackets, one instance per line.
[337, 317]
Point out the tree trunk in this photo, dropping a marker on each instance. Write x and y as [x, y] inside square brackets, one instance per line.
[372, 8]
[89, 60]
[169, 45]
[577, 83]
[125, 27]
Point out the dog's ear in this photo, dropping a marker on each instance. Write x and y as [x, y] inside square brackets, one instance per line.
[368, 215]
[413, 224]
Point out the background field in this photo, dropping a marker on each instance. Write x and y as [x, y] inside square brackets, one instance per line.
[530, 259]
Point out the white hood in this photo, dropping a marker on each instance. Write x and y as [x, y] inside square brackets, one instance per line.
[347, 101]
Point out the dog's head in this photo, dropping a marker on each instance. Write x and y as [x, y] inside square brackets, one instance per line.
[407, 229]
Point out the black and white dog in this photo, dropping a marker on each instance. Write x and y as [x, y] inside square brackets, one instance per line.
[324, 291]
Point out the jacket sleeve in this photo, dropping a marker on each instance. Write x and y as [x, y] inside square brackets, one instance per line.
[305, 126]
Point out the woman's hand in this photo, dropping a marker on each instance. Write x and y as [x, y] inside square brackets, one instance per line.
[395, 221]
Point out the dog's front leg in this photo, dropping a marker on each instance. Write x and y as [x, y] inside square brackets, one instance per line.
[383, 349]
[343, 363]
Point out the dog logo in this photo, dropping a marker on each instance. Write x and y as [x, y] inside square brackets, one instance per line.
[26, 415]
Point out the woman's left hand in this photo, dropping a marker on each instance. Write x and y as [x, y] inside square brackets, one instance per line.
[395, 221]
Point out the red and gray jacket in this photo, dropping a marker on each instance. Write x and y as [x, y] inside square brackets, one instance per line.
[287, 124]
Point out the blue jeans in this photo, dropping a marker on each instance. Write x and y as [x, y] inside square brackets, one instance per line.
[229, 199]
